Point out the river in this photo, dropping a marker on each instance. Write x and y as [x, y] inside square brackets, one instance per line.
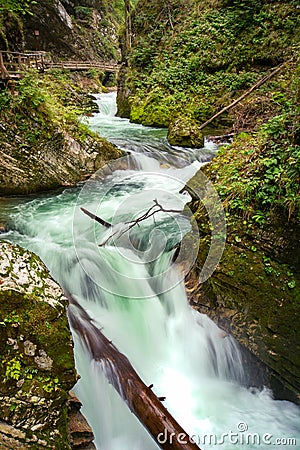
[127, 282]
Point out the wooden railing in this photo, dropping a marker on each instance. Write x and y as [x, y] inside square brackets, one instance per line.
[15, 64]
[84, 65]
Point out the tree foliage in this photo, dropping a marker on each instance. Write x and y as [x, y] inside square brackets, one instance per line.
[22, 6]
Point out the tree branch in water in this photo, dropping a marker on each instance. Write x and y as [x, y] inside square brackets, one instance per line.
[96, 218]
[157, 207]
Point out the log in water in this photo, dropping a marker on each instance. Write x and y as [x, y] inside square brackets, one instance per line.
[119, 372]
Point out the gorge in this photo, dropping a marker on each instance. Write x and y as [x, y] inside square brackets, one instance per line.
[179, 71]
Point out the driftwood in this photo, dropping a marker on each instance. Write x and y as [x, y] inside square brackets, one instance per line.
[140, 399]
[96, 218]
[255, 86]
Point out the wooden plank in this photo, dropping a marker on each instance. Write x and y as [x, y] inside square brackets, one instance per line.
[4, 72]
[39, 61]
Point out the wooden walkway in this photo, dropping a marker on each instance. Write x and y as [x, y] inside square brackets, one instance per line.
[14, 64]
[84, 65]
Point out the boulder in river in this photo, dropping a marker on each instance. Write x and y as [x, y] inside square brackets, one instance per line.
[58, 161]
[185, 132]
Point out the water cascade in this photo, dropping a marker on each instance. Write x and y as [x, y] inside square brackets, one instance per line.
[126, 282]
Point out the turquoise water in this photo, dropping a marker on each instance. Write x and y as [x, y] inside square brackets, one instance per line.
[127, 282]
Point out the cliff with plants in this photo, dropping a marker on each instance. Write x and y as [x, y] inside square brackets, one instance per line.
[255, 291]
[44, 144]
[190, 59]
[78, 30]
[37, 365]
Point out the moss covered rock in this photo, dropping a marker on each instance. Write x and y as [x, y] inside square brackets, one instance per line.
[37, 365]
[43, 143]
[254, 292]
[85, 30]
[60, 160]
[123, 94]
[185, 132]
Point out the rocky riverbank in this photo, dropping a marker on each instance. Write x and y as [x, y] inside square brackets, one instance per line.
[37, 367]
[44, 143]
[254, 292]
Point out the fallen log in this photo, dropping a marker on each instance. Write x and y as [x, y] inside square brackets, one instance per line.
[255, 86]
[140, 399]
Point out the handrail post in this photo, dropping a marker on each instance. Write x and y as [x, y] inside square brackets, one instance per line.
[19, 61]
[4, 72]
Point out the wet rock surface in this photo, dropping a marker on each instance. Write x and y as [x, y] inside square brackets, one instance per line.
[185, 132]
[37, 366]
[80, 434]
[59, 161]
[253, 294]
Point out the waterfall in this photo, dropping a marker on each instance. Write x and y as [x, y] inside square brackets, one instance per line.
[136, 296]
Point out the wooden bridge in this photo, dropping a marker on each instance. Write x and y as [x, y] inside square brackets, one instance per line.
[84, 65]
[14, 64]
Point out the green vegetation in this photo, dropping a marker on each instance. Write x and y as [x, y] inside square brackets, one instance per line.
[11, 30]
[258, 176]
[94, 32]
[254, 291]
[40, 104]
[22, 6]
[192, 58]
[45, 144]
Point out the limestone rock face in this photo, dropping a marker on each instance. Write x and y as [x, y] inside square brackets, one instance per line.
[184, 132]
[80, 433]
[123, 94]
[59, 161]
[73, 29]
[37, 367]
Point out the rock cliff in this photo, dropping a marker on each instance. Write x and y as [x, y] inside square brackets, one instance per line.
[43, 142]
[69, 29]
[37, 364]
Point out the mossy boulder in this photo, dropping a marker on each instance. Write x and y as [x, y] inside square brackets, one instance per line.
[185, 132]
[37, 365]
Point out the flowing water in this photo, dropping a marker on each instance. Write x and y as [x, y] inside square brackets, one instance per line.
[135, 294]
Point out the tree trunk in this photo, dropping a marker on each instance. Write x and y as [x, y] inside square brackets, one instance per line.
[255, 86]
[127, 25]
[144, 404]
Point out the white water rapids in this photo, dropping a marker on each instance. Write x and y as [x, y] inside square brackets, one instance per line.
[181, 352]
